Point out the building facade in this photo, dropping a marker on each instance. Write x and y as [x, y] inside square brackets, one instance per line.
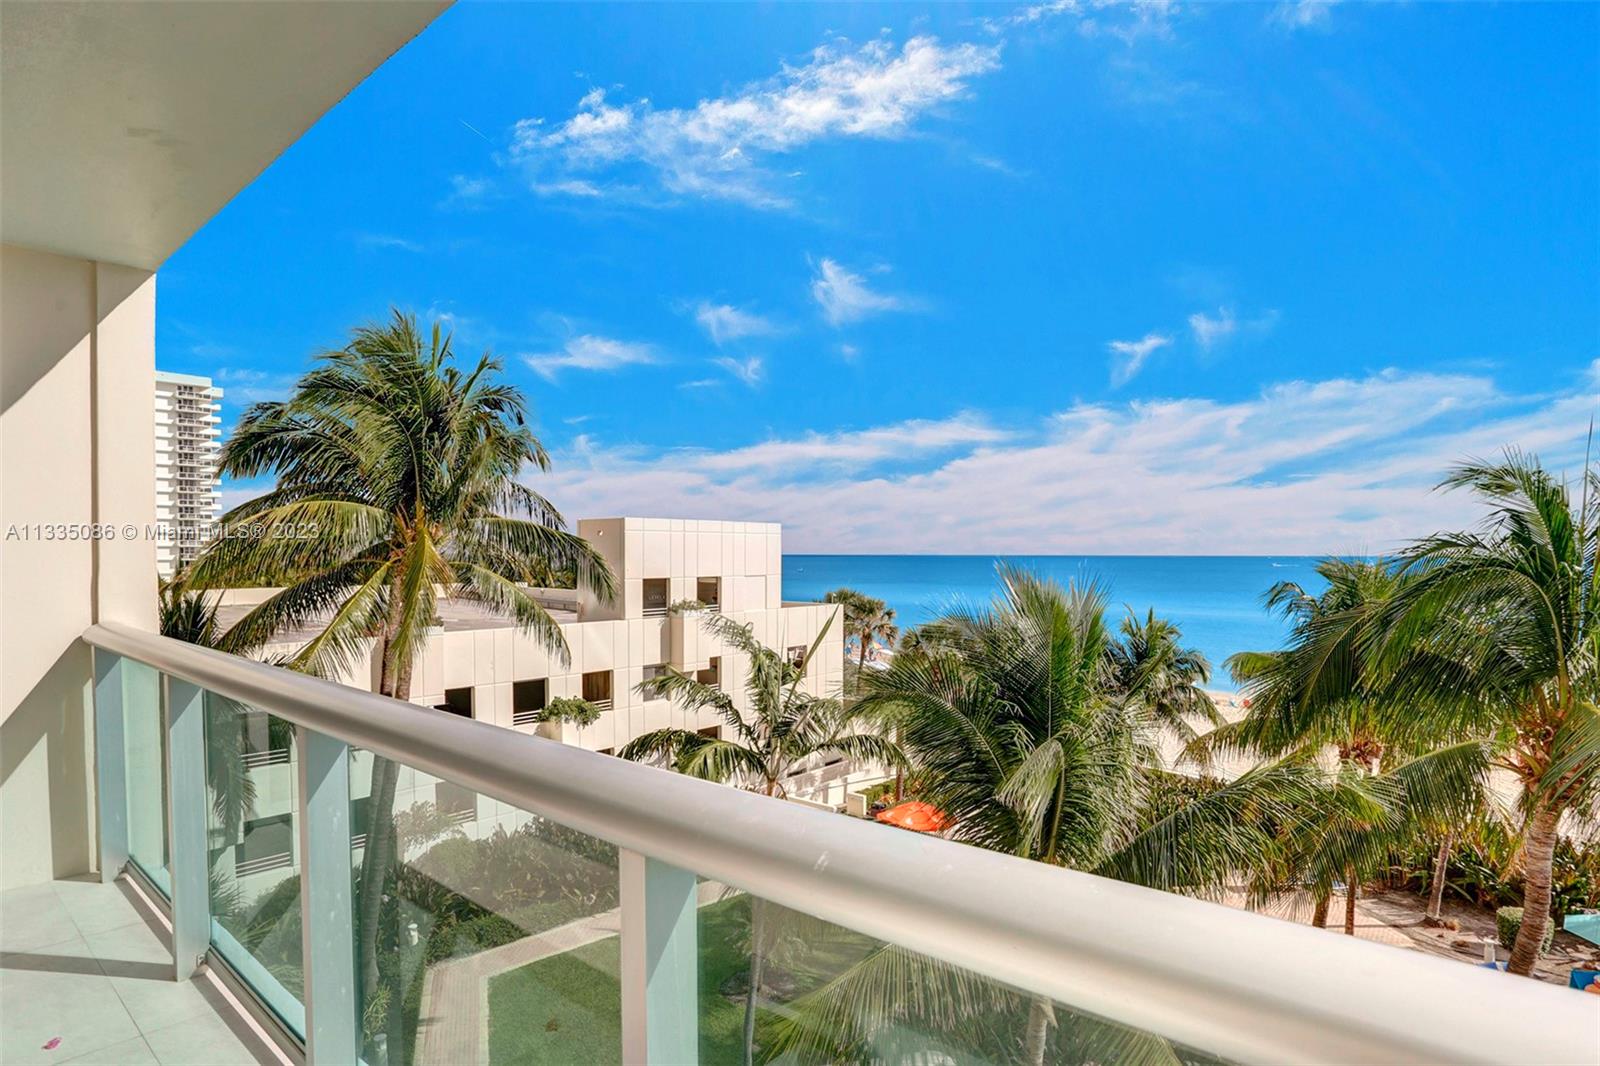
[188, 500]
[477, 665]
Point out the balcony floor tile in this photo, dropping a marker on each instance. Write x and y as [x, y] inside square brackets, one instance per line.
[89, 963]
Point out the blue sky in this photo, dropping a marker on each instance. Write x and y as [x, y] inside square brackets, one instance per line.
[961, 278]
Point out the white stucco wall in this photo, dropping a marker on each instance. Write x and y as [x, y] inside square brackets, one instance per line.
[77, 353]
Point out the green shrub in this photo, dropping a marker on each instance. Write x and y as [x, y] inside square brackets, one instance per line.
[1507, 920]
[579, 712]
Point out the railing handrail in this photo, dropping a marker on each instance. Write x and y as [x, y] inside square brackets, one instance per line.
[1226, 981]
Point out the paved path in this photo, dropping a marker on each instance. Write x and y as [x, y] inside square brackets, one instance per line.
[453, 1018]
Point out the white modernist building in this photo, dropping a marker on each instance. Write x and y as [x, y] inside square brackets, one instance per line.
[476, 664]
[188, 424]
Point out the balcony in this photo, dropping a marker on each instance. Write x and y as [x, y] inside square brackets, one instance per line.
[629, 878]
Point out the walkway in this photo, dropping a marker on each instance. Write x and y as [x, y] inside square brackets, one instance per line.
[453, 1019]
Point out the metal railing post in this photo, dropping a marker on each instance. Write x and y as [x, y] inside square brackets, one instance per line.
[659, 964]
[187, 804]
[110, 764]
[322, 821]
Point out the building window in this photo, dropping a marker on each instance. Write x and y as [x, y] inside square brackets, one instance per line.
[266, 845]
[657, 591]
[712, 673]
[708, 590]
[456, 701]
[597, 689]
[650, 674]
[712, 731]
[606, 751]
[796, 655]
[455, 802]
[528, 700]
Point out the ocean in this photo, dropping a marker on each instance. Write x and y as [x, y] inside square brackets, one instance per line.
[1215, 600]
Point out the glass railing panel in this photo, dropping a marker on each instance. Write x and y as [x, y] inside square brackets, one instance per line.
[483, 933]
[252, 819]
[824, 993]
[144, 739]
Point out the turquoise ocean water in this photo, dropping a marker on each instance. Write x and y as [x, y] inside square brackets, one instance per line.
[1215, 599]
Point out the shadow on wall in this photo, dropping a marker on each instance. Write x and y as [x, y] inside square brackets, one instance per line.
[45, 751]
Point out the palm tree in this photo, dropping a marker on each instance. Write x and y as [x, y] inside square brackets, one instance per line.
[866, 619]
[1150, 665]
[1497, 630]
[783, 727]
[1016, 731]
[1321, 692]
[1035, 730]
[396, 477]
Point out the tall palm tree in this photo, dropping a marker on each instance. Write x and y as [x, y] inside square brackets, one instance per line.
[1036, 731]
[1149, 664]
[1018, 735]
[396, 477]
[1497, 630]
[1393, 774]
[782, 728]
[867, 619]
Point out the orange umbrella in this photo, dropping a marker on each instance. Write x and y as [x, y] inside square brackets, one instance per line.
[915, 815]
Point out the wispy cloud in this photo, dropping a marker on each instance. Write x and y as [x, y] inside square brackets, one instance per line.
[1211, 330]
[1301, 467]
[467, 192]
[589, 352]
[1130, 355]
[387, 241]
[721, 147]
[1126, 20]
[242, 385]
[1303, 14]
[846, 297]
[750, 370]
[723, 322]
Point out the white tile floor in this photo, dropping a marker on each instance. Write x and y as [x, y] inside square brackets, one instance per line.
[90, 963]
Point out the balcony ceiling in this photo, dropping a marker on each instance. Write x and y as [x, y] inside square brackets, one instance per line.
[124, 127]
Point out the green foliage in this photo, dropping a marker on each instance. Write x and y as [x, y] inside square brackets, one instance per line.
[784, 725]
[571, 709]
[685, 606]
[1507, 923]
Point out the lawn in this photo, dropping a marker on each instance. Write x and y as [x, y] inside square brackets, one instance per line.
[567, 1008]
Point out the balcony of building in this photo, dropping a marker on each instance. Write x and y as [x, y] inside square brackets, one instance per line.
[530, 901]
[655, 874]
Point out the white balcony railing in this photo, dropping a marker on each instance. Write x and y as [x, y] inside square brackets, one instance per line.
[1231, 984]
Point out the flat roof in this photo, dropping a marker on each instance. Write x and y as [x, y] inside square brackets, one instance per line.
[456, 616]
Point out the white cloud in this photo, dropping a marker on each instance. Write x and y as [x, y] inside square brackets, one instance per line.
[387, 241]
[1132, 354]
[241, 385]
[589, 352]
[1209, 331]
[718, 148]
[750, 371]
[467, 192]
[1126, 20]
[846, 297]
[1302, 467]
[1303, 14]
[723, 322]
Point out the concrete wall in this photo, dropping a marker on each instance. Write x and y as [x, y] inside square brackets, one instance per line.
[77, 355]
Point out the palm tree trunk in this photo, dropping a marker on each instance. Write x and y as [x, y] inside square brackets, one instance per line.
[757, 930]
[394, 681]
[1351, 890]
[1041, 1016]
[1537, 857]
[1441, 868]
[1319, 912]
